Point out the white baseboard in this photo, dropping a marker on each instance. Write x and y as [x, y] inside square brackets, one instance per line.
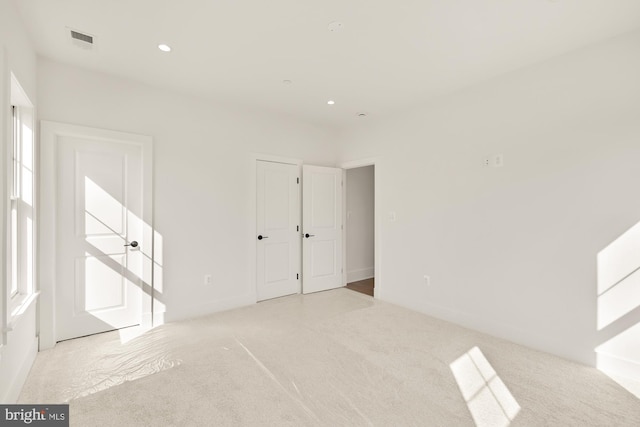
[209, 308]
[362, 274]
[613, 365]
[525, 337]
[146, 320]
[158, 318]
[13, 392]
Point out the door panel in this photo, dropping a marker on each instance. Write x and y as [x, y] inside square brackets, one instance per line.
[99, 206]
[99, 286]
[278, 219]
[324, 258]
[322, 222]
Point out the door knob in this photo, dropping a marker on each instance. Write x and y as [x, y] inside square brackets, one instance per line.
[309, 235]
[260, 237]
[133, 244]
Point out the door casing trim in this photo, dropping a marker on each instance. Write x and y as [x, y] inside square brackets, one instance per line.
[49, 134]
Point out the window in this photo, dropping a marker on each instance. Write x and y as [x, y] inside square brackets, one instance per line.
[13, 206]
[21, 208]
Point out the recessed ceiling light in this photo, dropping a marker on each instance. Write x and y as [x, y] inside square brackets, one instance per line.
[331, 102]
[165, 48]
[335, 26]
[287, 82]
[361, 114]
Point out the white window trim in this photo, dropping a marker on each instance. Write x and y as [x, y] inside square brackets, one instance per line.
[18, 301]
[19, 306]
[14, 203]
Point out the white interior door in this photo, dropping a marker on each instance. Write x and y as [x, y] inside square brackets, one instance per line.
[99, 203]
[278, 236]
[322, 228]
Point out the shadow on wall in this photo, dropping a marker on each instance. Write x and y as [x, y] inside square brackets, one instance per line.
[618, 306]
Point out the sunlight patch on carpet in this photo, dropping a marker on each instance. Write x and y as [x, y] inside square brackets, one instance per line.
[489, 400]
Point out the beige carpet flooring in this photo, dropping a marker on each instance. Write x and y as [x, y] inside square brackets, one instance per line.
[336, 358]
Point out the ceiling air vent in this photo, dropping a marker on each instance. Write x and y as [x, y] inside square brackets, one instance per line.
[85, 41]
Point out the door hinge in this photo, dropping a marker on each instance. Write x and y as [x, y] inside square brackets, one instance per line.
[297, 228]
[297, 276]
[297, 180]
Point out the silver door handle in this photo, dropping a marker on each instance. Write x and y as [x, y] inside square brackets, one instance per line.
[133, 244]
[260, 237]
[309, 235]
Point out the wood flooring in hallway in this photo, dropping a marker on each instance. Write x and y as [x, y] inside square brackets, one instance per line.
[363, 286]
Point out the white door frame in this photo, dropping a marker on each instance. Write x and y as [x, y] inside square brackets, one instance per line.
[254, 158]
[376, 221]
[49, 134]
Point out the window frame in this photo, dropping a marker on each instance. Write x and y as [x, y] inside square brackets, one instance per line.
[13, 237]
[21, 243]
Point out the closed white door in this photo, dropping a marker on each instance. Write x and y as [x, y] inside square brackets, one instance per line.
[99, 204]
[322, 228]
[278, 224]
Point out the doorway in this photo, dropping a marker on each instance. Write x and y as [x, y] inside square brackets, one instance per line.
[299, 228]
[360, 229]
[278, 229]
[322, 222]
[97, 220]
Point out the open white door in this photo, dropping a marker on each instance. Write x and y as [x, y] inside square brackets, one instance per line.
[101, 239]
[278, 236]
[322, 228]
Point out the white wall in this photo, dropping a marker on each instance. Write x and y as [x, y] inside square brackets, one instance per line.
[512, 250]
[360, 231]
[17, 56]
[203, 177]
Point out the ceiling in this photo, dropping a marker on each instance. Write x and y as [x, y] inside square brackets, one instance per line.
[388, 56]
